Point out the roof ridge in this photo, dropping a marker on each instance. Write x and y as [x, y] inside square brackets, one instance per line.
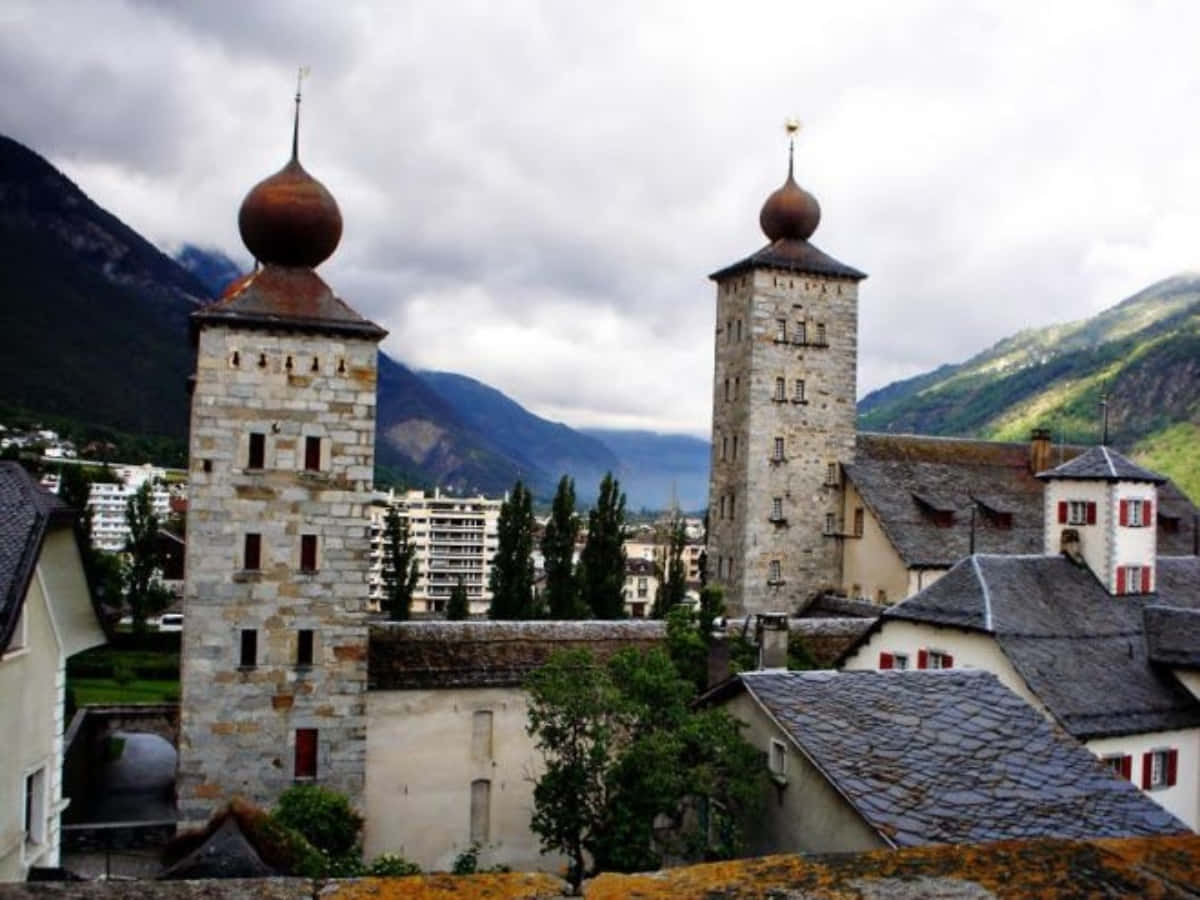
[987, 594]
[1108, 459]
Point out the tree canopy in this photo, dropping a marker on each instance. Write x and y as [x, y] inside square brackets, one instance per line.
[144, 592]
[602, 562]
[558, 549]
[511, 579]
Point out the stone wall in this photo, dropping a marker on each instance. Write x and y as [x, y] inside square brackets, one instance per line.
[239, 722]
[817, 344]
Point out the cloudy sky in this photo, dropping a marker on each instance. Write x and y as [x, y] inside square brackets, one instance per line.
[534, 193]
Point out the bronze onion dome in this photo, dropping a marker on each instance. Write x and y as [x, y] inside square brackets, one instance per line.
[791, 212]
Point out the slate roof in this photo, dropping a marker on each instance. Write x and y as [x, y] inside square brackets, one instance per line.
[1081, 651]
[26, 513]
[1173, 636]
[1102, 464]
[951, 756]
[438, 654]
[905, 479]
[285, 297]
[794, 256]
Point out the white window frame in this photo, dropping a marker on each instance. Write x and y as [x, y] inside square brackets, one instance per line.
[1136, 507]
[780, 450]
[1133, 578]
[776, 508]
[821, 337]
[800, 394]
[900, 661]
[36, 808]
[780, 389]
[777, 757]
[800, 336]
[934, 659]
[1077, 512]
[774, 572]
[1158, 768]
[830, 523]
[781, 330]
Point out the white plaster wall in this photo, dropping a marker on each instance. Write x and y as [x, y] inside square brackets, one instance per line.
[1183, 799]
[1190, 679]
[420, 769]
[808, 815]
[970, 651]
[1135, 546]
[1095, 541]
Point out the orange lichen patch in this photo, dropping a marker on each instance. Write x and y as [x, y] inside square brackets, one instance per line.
[1126, 867]
[495, 886]
[350, 651]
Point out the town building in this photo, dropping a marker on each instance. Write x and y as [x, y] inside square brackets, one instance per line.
[281, 462]
[641, 587]
[1096, 628]
[454, 538]
[46, 616]
[873, 760]
[109, 502]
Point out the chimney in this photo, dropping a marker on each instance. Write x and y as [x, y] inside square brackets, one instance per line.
[1039, 450]
[772, 634]
[718, 657]
[1069, 545]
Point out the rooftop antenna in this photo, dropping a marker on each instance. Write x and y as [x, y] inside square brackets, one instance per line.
[791, 125]
[1104, 419]
[301, 74]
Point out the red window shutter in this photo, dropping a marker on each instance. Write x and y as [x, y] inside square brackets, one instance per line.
[947, 661]
[1172, 766]
[1062, 512]
[886, 661]
[1091, 513]
[1124, 512]
[1146, 771]
[1147, 513]
[1127, 767]
[1145, 579]
[1120, 579]
[306, 753]
[922, 659]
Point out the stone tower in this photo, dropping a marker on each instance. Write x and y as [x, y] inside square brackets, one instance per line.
[281, 461]
[783, 412]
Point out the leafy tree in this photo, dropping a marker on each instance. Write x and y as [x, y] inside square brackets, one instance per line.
[459, 606]
[399, 566]
[144, 593]
[626, 752]
[602, 563]
[75, 490]
[689, 636]
[511, 580]
[558, 548]
[672, 570]
[324, 817]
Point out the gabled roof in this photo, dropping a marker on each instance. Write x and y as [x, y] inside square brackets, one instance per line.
[26, 513]
[1080, 650]
[950, 756]
[1173, 636]
[905, 480]
[1102, 464]
[793, 256]
[288, 298]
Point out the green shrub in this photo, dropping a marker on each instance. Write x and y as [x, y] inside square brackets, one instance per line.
[323, 817]
[392, 865]
[122, 674]
[467, 862]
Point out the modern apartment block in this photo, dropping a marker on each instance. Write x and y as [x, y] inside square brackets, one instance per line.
[455, 537]
[108, 502]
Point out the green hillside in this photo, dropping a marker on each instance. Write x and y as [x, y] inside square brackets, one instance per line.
[1143, 353]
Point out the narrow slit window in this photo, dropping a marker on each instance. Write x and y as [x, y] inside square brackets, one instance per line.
[481, 810]
[780, 389]
[312, 453]
[777, 455]
[308, 552]
[256, 457]
[304, 647]
[248, 651]
[306, 753]
[252, 553]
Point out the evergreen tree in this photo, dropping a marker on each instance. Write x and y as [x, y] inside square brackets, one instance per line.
[672, 571]
[558, 548]
[144, 593]
[399, 566]
[511, 579]
[602, 563]
[75, 490]
[459, 606]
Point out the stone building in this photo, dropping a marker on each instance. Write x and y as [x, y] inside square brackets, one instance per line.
[281, 456]
[783, 411]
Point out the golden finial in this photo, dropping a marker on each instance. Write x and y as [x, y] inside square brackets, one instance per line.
[791, 125]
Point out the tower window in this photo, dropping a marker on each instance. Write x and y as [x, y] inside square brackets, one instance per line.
[799, 395]
[781, 330]
[732, 504]
[252, 552]
[821, 342]
[256, 457]
[724, 448]
[248, 651]
[722, 506]
[735, 442]
[316, 365]
[859, 521]
[831, 474]
[830, 523]
[776, 509]
[726, 390]
[262, 360]
[306, 753]
[777, 455]
[737, 383]
[774, 572]
[308, 553]
[236, 359]
[800, 335]
[312, 453]
[288, 364]
[780, 389]
[728, 330]
[739, 329]
[304, 647]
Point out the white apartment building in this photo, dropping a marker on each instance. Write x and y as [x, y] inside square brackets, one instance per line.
[108, 502]
[455, 537]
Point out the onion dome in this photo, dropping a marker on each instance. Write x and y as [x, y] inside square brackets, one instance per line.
[290, 218]
[791, 212]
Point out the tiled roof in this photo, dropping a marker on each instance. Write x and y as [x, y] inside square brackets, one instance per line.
[411, 655]
[26, 511]
[1102, 464]
[287, 298]
[1081, 651]
[794, 256]
[1173, 636]
[905, 480]
[951, 756]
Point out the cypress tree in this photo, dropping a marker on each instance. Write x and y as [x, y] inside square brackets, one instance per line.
[558, 548]
[399, 567]
[459, 606]
[511, 579]
[602, 564]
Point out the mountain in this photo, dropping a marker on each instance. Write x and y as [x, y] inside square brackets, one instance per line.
[1143, 354]
[656, 468]
[209, 266]
[94, 320]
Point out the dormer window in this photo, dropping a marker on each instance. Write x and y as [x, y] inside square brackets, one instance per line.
[1076, 512]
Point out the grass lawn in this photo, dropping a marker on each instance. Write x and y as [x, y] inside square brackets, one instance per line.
[106, 690]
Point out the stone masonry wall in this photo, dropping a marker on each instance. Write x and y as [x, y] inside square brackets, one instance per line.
[238, 722]
[817, 429]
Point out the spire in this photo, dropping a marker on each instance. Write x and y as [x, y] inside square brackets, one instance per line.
[301, 74]
[791, 212]
[792, 126]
